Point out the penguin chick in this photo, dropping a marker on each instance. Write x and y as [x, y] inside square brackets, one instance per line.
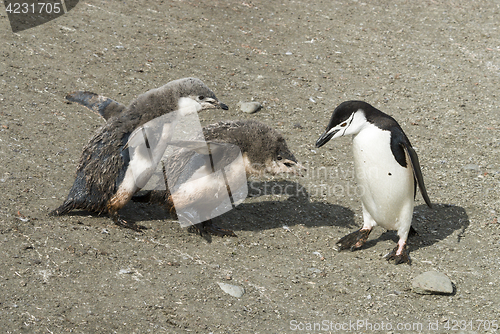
[104, 180]
[264, 151]
[387, 171]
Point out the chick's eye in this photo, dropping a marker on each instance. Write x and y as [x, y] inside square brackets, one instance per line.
[201, 97]
[279, 158]
[343, 124]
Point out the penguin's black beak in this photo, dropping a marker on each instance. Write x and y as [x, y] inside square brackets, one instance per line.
[223, 106]
[325, 137]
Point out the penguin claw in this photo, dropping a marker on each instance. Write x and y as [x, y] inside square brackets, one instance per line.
[354, 240]
[208, 228]
[404, 257]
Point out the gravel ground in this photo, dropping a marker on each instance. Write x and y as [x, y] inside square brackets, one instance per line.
[433, 65]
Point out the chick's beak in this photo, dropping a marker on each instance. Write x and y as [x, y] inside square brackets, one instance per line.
[294, 167]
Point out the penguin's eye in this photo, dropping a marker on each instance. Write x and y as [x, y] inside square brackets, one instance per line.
[343, 124]
[201, 97]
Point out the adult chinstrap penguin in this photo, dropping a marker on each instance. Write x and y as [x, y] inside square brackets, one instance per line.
[387, 171]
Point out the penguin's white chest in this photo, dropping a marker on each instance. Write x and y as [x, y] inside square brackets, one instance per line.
[386, 187]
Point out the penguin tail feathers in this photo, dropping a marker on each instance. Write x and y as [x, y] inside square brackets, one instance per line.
[71, 204]
[99, 104]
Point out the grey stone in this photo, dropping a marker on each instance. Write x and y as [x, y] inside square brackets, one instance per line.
[472, 167]
[249, 107]
[233, 290]
[126, 271]
[432, 282]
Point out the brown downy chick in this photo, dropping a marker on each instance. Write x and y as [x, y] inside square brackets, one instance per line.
[264, 151]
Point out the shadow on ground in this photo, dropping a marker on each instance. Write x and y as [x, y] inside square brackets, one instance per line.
[432, 225]
[270, 204]
[274, 204]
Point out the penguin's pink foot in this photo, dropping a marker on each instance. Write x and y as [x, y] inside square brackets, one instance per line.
[399, 254]
[354, 240]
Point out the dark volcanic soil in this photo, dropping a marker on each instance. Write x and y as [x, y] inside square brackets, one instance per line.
[433, 65]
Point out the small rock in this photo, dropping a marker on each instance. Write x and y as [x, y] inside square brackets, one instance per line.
[472, 167]
[233, 290]
[432, 282]
[249, 107]
[126, 271]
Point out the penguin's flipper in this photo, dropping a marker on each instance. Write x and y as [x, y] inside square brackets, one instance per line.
[417, 172]
[99, 104]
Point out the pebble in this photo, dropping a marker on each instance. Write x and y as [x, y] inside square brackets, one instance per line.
[127, 271]
[249, 107]
[233, 290]
[432, 282]
[472, 167]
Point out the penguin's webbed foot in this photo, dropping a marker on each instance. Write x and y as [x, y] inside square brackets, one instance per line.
[123, 223]
[354, 240]
[399, 255]
[208, 228]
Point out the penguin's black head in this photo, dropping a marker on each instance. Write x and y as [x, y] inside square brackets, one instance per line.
[348, 118]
